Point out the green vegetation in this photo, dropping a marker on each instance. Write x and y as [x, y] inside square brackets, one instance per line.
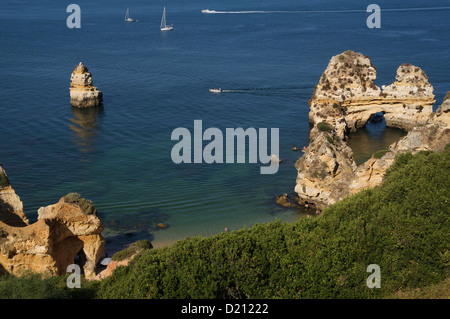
[380, 154]
[4, 181]
[86, 205]
[438, 291]
[402, 226]
[329, 138]
[447, 96]
[132, 249]
[324, 127]
[33, 286]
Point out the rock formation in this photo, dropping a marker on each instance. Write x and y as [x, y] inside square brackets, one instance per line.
[346, 96]
[82, 92]
[11, 208]
[343, 101]
[64, 232]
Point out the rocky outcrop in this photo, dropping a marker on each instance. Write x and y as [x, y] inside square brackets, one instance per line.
[82, 91]
[66, 233]
[11, 208]
[346, 96]
[343, 101]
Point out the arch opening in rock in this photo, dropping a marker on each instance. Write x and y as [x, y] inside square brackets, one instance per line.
[374, 136]
[80, 260]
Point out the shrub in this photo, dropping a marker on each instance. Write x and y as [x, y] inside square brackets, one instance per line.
[132, 249]
[85, 205]
[324, 127]
[4, 181]
[35, 286]
[402, 226]
[380, 154]
[329, 138]
[447, 96]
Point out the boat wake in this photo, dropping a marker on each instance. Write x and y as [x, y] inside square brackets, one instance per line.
[285, 91]
[207, 11]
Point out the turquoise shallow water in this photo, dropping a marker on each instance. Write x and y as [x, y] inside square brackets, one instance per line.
[119, 155]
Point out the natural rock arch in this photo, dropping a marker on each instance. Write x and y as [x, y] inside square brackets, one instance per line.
[51, 244]
[343, 101]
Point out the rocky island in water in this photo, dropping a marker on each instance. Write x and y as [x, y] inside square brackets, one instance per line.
[343, 101]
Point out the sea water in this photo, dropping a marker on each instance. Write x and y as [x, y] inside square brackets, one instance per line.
[119, 155]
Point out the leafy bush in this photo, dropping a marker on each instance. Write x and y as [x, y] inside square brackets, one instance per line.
[380, 154]
[35, 286]
[4, 181]
[329, 138]
[402, 226]
[86, 206]
[324, 127]
[132, 249]
[447, 96]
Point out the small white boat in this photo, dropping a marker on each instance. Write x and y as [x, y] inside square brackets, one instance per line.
[164, 26]
[208, 11]
[219, 90]
[127, 16]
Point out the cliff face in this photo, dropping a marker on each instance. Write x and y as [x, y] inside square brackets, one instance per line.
[63, 232]
[82, 91]
[346, 96]
[343, 101]
[11, 208]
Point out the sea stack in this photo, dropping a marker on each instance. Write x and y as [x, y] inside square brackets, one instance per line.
[343, 101]
[82, 91]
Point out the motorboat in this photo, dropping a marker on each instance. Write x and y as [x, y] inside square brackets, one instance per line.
[219, 90]
[208, 11]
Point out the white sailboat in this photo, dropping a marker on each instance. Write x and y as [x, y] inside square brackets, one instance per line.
[164, 26]
[127, 16]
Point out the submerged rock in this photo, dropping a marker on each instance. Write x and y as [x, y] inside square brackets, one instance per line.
[82, 91]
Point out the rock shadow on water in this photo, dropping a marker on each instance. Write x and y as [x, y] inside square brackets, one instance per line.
[84, 126]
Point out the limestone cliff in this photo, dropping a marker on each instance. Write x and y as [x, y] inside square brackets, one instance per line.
[82, 91]
[11, 208]
[346, 96]
[64, 232]
[343, 101]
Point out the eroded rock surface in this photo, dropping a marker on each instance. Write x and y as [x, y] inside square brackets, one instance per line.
[343, 101]
[63, 234]
[82, 91]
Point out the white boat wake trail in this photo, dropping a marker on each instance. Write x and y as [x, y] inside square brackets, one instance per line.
[286, 91]
[328, 11]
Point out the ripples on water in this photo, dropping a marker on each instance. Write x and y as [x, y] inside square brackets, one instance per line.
[118, 155]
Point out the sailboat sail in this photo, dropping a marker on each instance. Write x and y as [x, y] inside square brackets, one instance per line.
[163, 19]
[164, 26]
[127, 16]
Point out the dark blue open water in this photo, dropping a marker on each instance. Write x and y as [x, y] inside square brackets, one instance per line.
[119, 155]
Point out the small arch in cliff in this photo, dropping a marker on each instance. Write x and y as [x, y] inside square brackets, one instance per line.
[371, 137]
[80, 259]
[376, 117]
